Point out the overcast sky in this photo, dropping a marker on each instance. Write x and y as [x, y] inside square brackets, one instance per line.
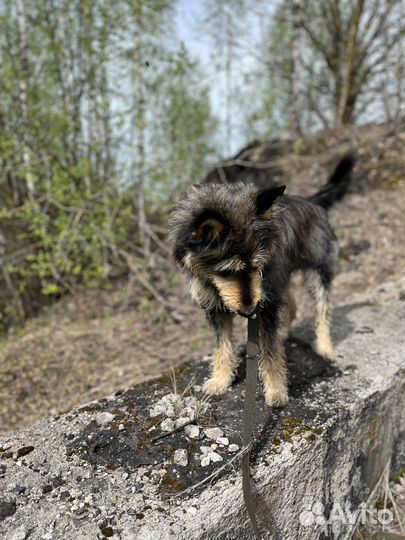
[188, 16]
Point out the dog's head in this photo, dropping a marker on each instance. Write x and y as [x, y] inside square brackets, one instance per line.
[222, 236]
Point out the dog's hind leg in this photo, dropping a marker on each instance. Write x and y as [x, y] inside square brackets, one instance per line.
[224, 365]
[289, 313]
[274, 326]
[319, 284]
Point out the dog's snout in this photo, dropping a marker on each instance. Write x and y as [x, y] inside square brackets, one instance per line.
[247, 313]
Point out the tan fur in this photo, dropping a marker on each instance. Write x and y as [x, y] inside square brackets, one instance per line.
[256, 287]
[323, 344]
[273, 371]
[289, 313]
[215, 228]
[273, 368]
[224, 365]
[230, 292]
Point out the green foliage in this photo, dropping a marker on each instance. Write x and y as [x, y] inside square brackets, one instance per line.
[69, 114]
[184, 128]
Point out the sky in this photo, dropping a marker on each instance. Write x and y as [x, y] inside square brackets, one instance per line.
[189, 14]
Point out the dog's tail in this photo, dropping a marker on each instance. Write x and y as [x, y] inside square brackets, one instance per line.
[335, 189]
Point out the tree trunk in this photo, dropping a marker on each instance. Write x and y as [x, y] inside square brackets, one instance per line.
[294, 105]
[22, 28]
[348, 91]
[140, 124]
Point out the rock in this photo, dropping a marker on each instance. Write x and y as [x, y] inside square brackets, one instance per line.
[213, 433]
[192, 510]
[167, 425]
[209, 456]
[104, 418]
[157, 410]
[192, 431]
[180, 422]
[223, 440]
[214, 457]
[181, 457]
[233, 448]
[189, 412]
[177, 317]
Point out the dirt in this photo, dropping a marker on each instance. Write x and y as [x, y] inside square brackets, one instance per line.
[95, 342]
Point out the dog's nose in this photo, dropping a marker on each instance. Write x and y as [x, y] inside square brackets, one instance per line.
[246, 313]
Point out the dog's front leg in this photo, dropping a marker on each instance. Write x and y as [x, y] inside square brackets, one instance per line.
[224, 365]
[273, 368]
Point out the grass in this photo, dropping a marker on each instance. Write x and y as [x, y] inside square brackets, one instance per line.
[387, 496]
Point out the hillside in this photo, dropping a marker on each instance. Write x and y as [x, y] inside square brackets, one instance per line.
[93, 343]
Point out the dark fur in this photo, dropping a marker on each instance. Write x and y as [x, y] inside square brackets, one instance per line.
[259, 233]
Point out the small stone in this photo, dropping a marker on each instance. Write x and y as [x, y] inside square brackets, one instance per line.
[205, 461]
[193, 432]
[170, 413]
[132, 512]
[157, 410]
[223, 440]
[189, 412]
[191, 401]
[167, 425]
[181, 457]
[192, 510]
[233, 448]
[125, 476]
[205, 449]
[214, 446]
[180, 422]
[214, 433]
[177, 317]
[215, 457]
[104, 418]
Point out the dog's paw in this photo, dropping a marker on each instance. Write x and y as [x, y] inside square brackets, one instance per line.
[326, 350]
[276, 398]
[216, 386]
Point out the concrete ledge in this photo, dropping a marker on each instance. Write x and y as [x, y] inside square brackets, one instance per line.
[104, 471]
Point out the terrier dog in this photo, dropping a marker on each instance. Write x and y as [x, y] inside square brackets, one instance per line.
[239, 246]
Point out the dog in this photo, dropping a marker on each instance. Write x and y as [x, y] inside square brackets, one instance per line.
[239, 247]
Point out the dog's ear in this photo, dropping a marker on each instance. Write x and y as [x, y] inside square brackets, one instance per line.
[209, 227]
[266, 198]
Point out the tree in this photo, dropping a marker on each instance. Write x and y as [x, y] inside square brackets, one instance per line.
[335, 52]
[184, 126]
[98, 113]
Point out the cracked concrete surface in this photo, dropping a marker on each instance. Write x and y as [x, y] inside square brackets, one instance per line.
[104, 470]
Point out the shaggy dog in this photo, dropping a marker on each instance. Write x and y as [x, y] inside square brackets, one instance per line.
[239, 247]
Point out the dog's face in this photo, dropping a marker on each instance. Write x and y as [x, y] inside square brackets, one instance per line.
[222, 236]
